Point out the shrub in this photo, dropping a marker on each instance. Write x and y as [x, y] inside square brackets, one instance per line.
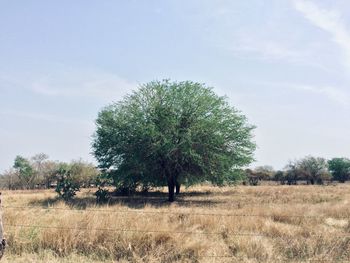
[67, 186]
[102, 193]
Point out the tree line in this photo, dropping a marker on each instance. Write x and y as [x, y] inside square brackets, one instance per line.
[39, 172]
[310, 170]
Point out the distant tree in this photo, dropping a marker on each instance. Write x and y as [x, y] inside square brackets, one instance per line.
[292, 173]
[172, 133]
[83, 172]
[265, 172]
[340, 169]
[38, 162]
[10, 180]
[49, 172]
[280, 176]
[25, 172]
[260, 173]
[251, 177]
[314, 169]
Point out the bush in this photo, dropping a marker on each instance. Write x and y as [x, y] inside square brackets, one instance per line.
[102, 193]
[280, 177]
[67, 186]
[251, 178]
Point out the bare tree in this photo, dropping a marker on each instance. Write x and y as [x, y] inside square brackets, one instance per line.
[38, 162]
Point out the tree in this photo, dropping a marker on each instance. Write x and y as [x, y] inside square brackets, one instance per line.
[340, 169]
[252, 177]
[258, 174]
[168, 133]
[313, 169]
[280, 176]
[291, 173]
[25, 171]
[10, 180]
[49, 172]
[38, 164]
[83, 172]
[265, 172]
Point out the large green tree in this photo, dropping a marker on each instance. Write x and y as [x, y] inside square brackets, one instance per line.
[168, 133]
[340, 169]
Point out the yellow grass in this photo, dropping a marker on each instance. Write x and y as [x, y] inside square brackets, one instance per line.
[282, 223]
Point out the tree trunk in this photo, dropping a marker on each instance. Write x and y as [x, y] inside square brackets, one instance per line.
[171, 186]
[178, 185]
[2, 239]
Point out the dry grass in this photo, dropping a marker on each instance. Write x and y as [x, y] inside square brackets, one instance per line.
[291, 223]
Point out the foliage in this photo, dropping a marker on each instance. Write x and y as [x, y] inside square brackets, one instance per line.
[48, 174]
[67, 185]
[84, 173]
[292, 174]
[279, 176]
[314, 169]
[340, 169]
[40, 172]
[25, 171]
[253, 177]
[172, 132]
[38, 162]
[10, 180]
[102, 193]
[265, 172]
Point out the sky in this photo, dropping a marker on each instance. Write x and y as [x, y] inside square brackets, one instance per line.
[283, 64]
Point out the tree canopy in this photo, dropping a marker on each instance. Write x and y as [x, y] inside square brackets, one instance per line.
[314, 170]
[25, 170]
[340, 169]
[168, 133]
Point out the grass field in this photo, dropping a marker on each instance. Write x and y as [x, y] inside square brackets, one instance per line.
[207, 224]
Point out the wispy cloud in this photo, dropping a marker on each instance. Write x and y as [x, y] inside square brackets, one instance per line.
[337, 95]
[328, 20]
[332, 93]
[263, 41]
[44, 117]
[71, 83]
[83, 83]
[266, 49]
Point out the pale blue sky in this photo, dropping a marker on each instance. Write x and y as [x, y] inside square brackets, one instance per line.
[285, 64]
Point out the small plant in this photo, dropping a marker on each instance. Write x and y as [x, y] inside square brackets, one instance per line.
[67, 186]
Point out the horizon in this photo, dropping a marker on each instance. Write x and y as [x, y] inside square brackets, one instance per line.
[61, 63]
